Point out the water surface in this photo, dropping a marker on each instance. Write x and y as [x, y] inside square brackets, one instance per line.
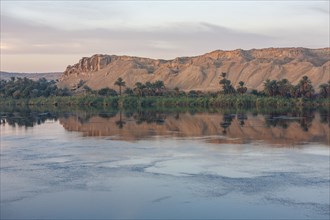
[154, 164]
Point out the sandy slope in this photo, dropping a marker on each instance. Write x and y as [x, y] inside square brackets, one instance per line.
[202, 72]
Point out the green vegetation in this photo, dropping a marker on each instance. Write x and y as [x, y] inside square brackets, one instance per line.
[120, 82]
[227, 88]
[276, 94]
[22, 88]
[284, 88]
[241, 89]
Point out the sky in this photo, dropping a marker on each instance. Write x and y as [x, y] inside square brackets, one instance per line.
[47, 36]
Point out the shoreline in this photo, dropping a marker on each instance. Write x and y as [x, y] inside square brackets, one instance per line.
[127, 102]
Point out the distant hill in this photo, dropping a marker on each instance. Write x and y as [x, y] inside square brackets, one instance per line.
[33, 76]
[202, 72]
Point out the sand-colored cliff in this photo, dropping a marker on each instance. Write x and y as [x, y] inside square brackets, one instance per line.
[202, 72]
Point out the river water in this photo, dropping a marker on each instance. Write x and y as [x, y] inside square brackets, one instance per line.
[154, 164]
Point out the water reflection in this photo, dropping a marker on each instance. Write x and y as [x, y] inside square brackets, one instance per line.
[228, 127]
[26, 118]
[226, 122]
[304, 118]
[52, 167]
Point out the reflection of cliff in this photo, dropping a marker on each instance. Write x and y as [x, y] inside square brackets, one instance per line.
[221, 128]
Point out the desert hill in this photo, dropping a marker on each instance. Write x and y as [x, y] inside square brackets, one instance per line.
[202, 72]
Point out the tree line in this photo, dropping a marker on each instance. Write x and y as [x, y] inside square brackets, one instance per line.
[282, 88]
[272, 88]
[26, 88]
[156, 88]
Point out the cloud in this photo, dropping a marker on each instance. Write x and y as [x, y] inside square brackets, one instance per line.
[25, 37]
[165, 40]
[65, 15]
[321, 10]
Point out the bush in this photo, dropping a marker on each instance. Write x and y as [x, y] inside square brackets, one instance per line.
[107, 92]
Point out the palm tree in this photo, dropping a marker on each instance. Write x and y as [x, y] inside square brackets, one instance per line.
[267, 87]
[159, 87]
[227, 87]
[87, 89]
[270, 87]
[241, 88]
[284, 87]
[305, 87]
[177, 91]
[120, 82]
[139, 85]
[149, 85]
[325, 89]
[138, 89]
[159, 84]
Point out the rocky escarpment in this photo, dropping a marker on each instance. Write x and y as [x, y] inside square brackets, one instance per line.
[88, 64]
[202, 72]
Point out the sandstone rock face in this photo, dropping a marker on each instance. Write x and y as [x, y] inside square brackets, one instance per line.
[88, 64]
[203, 72]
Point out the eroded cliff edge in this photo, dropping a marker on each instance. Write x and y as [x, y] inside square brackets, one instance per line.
[202, 72]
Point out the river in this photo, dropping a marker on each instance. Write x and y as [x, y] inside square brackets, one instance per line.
[156, 164]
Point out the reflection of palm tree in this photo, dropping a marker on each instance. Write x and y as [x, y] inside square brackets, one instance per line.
[324, 116]
[306, 120]
[227, 119]
[276, 119]
[242, 117]
[120, 123]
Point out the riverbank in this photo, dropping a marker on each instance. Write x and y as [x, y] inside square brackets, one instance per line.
[126, 102]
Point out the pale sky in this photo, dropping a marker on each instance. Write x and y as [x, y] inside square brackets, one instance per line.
[46, 36]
